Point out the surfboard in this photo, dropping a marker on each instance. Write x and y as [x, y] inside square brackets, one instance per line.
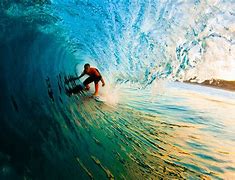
[100, 98]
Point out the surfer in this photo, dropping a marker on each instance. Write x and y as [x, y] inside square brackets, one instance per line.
[94, 76]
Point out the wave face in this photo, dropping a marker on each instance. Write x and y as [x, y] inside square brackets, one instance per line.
[46, 135]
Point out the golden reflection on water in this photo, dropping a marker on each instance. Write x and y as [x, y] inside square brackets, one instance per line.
[165, 144]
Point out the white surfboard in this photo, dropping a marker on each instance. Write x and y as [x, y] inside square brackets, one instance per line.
[100, 98]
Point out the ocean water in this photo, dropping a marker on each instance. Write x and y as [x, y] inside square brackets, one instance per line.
[152, 126]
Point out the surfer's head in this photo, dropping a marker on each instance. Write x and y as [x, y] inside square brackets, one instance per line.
[87, 67]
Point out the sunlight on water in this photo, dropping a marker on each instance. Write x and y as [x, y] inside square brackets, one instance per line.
[202, 122]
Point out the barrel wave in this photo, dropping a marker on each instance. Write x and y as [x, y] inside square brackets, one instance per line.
[152, 125]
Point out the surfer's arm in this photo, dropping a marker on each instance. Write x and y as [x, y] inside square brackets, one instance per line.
[76, 78]
[83, 73]
[102, 80]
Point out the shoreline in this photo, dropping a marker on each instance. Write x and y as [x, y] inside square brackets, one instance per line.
[215, 83]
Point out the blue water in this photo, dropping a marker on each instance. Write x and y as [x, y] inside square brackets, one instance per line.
[150, 126]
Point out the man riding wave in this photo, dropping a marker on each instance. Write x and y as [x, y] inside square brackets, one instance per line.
[94, 76]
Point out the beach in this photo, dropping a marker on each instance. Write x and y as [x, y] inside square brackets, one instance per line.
[216, 83]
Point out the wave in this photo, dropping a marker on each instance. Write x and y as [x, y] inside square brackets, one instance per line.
[46, 135]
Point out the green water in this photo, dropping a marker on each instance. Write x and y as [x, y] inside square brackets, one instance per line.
[185, 132]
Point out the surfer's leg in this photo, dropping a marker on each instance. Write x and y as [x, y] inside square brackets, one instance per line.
[96, 89]
[97, 86]
[88, 81]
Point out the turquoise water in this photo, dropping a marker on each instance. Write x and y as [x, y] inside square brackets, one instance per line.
[151, 126]
[191, 124]
[183, 131]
